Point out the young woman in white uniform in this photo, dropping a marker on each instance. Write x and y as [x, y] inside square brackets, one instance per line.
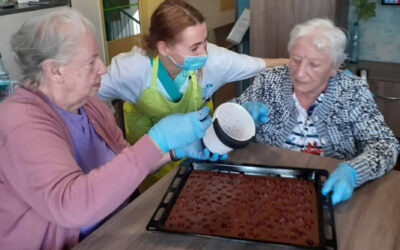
[173, 69]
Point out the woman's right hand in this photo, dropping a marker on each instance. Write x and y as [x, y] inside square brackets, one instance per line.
[179, 130]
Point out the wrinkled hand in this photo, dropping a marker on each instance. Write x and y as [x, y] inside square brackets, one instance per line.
[197, 151]
[179, 130]
[341, 182]
[258, 112]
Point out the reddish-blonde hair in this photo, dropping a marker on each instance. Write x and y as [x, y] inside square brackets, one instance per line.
[167, 21]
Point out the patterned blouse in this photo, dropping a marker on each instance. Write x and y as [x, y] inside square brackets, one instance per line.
[304, 136]
[347, 121]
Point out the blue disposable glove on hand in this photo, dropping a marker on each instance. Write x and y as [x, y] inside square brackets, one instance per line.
[341, 182]
[258, 112]
[197, 151]
[179, 130]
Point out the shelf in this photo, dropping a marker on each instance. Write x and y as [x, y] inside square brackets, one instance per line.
[382, 71]
[25, 7]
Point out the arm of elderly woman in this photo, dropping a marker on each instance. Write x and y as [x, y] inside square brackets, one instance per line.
[361, 134]
[378, 150]
[47, 177]
[272, 62]
[39, 167]
[376, 146]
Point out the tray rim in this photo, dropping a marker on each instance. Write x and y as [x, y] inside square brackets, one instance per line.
[154, 225]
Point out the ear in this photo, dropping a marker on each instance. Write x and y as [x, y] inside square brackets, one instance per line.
[52, 70]
[163, 48]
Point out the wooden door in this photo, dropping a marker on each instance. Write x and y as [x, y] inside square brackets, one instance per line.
[272, 21]
[387, 97]
[146, 9]
[384, 82]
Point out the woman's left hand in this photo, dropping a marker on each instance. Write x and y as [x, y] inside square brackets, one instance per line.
[341, 182]
[197, 151]
[258, 112]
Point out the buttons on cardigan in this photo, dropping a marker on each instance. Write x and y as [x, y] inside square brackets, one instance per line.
[315, 118]
[324, 140]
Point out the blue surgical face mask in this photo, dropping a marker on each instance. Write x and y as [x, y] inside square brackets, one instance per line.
[190, 62]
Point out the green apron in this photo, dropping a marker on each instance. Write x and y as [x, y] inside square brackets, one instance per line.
[152, 107]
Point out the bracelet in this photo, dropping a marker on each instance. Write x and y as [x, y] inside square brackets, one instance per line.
[172, 155]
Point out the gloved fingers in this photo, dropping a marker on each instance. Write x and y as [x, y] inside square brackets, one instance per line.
[197, 155]
[263, 109]
[329, 184]
[338, 192]
[223, 157]
[202, 127]
[342, 192]
[262, 113]
[347, 190]
[205, 154]
[214, 157]
[335, 198]
[251, 108]
[263, 119]
[202, 113]
[254, 115]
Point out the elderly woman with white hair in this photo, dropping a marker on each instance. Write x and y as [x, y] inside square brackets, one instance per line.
[315, 108]
[64, 165]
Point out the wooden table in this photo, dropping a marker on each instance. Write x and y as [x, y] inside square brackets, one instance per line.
[370, 220]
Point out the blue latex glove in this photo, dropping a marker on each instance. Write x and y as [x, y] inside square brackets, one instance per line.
[341, 182]
[258, 111]
[197, 151]
[179, 130]
[348, 72]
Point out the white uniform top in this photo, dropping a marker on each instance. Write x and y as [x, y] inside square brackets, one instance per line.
[130, 73]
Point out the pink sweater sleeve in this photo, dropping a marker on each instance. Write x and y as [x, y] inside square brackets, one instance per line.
[40, 167]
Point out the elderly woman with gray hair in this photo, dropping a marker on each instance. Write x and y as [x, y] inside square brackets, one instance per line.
[315, 108]
[65, 166]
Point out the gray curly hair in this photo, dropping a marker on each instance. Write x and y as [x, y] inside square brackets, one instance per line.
[325, 36]
[50, 36]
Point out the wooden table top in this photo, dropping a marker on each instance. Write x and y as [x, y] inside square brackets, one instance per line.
[369, 220]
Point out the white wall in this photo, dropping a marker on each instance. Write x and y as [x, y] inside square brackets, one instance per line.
[9, 24]
[91, 10]
[213, 14]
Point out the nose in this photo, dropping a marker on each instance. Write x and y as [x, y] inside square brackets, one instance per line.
[302, 70]
[203, 49]
[102, 67]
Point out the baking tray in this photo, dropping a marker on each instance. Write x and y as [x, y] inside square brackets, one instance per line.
[326, 221]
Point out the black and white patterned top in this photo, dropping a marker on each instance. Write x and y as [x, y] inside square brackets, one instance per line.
[349, 125]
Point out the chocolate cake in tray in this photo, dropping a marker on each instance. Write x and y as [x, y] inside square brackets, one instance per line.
[257, 203]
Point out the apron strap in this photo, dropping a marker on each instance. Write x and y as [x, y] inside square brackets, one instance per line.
[166, 81]
[193, 80]
[154, 72]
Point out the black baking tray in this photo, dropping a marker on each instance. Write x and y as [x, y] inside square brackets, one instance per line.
[327, 232]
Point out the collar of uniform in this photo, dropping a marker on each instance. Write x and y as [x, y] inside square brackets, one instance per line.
[169, 85]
